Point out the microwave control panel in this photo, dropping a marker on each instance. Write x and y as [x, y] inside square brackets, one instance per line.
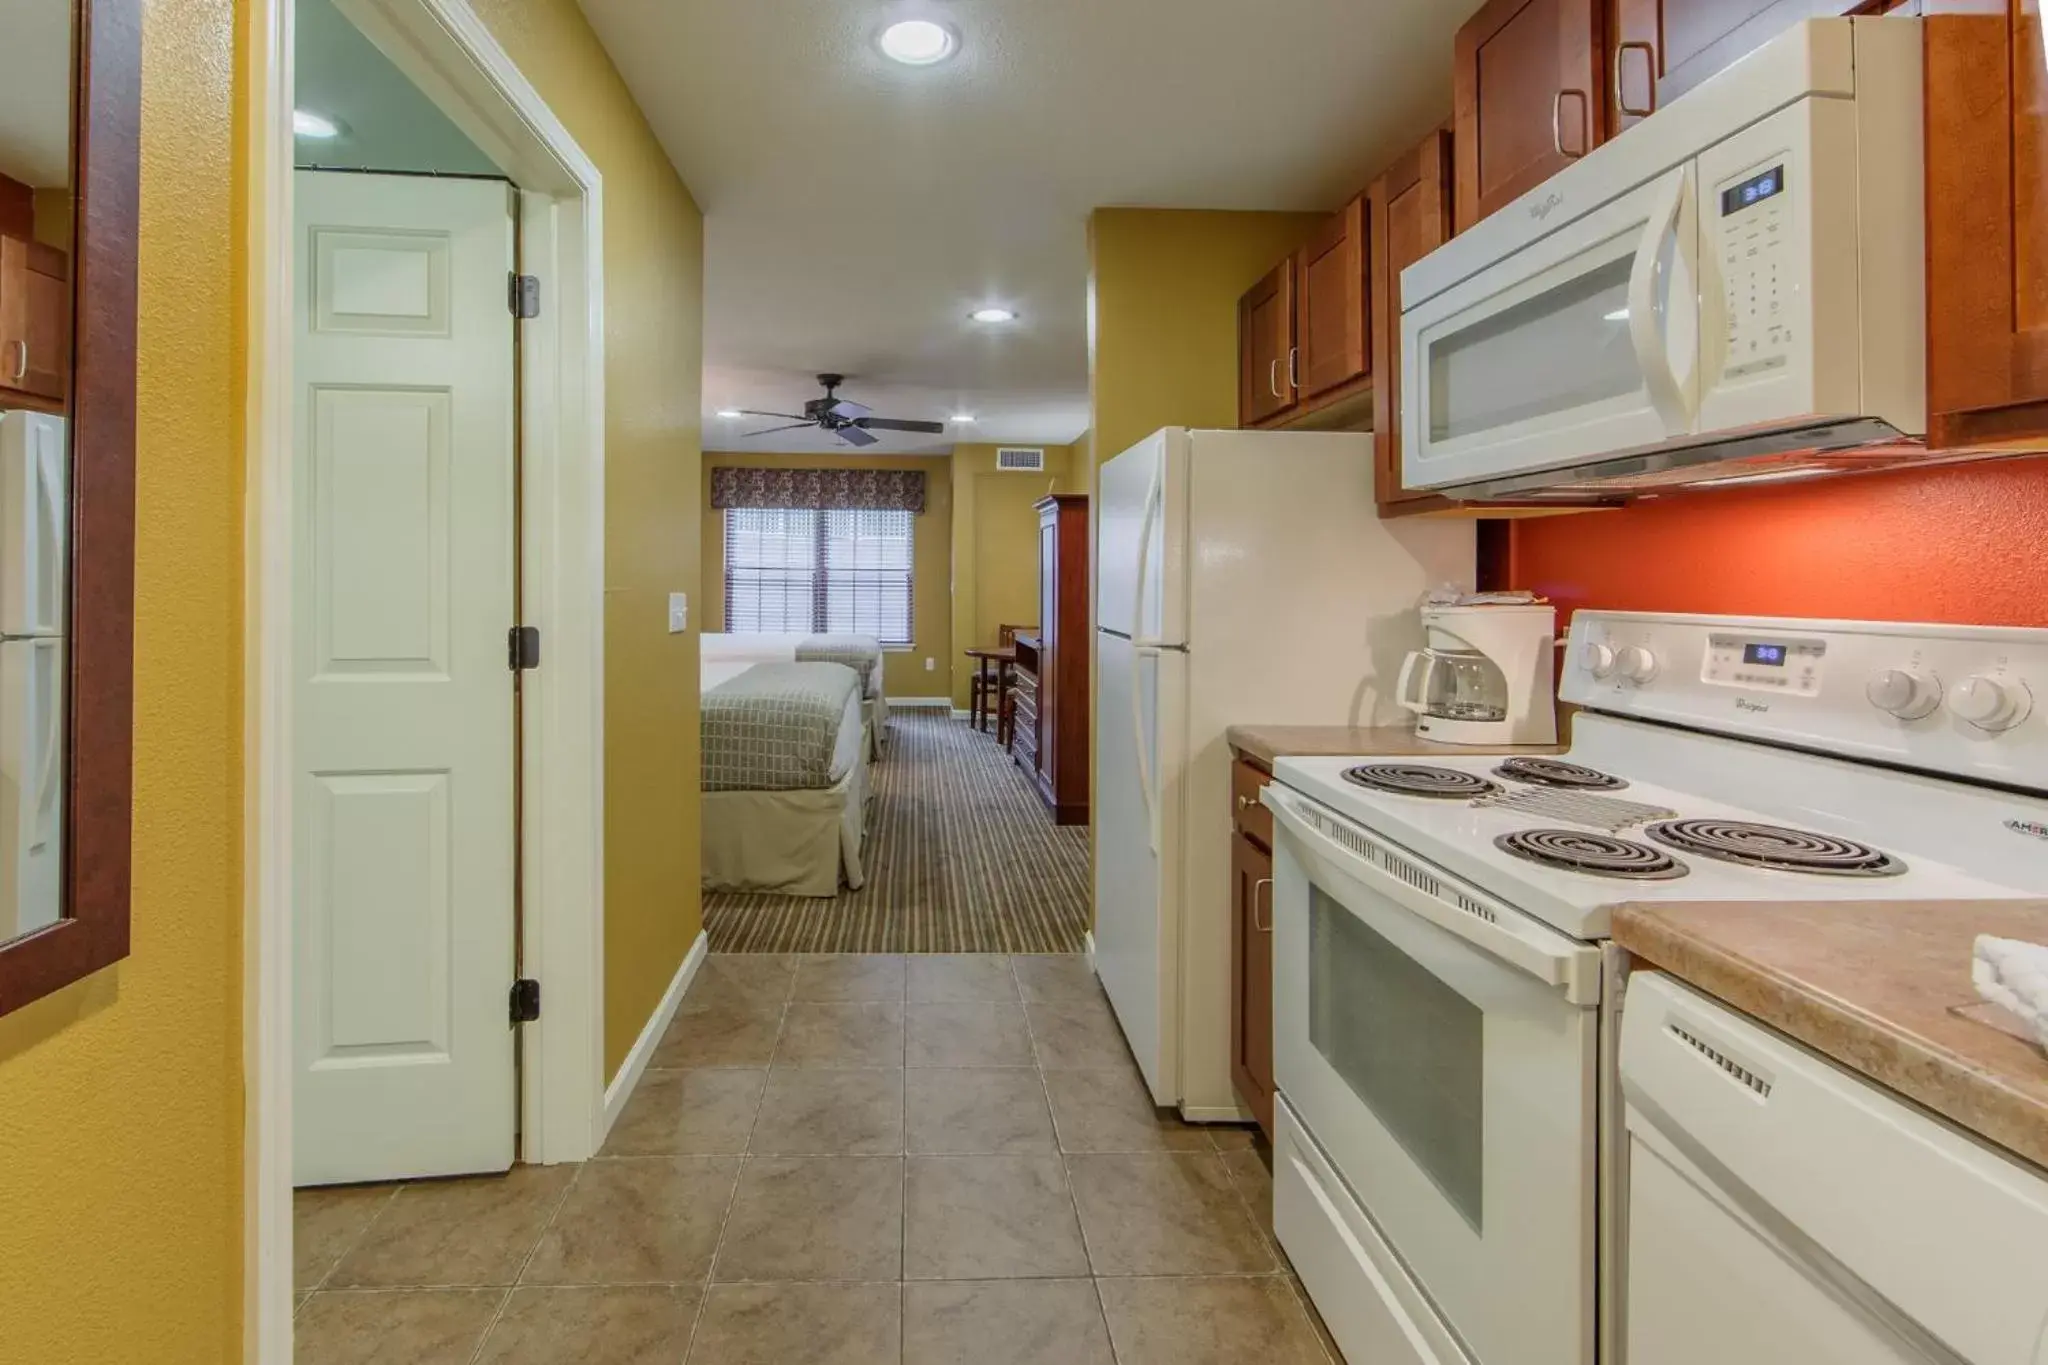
[1755, 210]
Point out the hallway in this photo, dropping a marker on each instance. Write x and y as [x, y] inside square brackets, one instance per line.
[856, 1160]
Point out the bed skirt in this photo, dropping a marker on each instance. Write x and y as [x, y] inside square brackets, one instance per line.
[792, 843]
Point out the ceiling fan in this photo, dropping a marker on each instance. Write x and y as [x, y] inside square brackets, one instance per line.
[847, 420]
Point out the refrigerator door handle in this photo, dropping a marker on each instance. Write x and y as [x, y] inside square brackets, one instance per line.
[46, 598]
[42, 688]
[1139, 653]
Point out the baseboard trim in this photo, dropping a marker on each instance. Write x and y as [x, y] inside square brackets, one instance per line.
[958, 714]
[920, 703]
[1088, 947]
[620, 1091]
[1204, 1113]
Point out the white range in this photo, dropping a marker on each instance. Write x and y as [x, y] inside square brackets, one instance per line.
[1449, 1135]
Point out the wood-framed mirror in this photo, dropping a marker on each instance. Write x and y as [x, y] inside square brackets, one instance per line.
[70, 115]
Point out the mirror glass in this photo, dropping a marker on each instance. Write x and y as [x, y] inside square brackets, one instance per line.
[36, 199]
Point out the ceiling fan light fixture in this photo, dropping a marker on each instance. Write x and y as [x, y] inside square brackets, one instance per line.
[993, 315]
[306, 123]
[965, 419]
[919, 42]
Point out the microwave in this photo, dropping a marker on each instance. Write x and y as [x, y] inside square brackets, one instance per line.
[1732, 291]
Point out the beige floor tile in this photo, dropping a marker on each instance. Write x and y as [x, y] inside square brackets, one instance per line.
[800, 1324]
[1209, 1322]
[1254, 1185]
[393, 1327]
[989, 1218]
[1004, 1322]
[990, 1111]
[826, 1113]
[849, 976]
[640, 1325]
[688, 1113]
[815, 1218]
[960, 976]
[1056, 979]
[474, 1231]
[1174, 1214]
[754, 978]
[326, 1223]
[966, 1033]
[1315, 1319]
[637, 1220]
[841, 1034]
[1111, 1111]
[733, 1032]
[1077, 1036]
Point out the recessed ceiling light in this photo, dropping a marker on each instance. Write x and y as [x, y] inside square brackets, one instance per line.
[993, 315]
[1618, 315]
[964, 418]
[918, 42]
[306, 123]
[730, 413]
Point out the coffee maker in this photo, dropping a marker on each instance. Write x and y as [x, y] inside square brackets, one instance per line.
[1485, 675]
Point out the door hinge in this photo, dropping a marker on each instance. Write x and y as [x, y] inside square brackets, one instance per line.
[525, 296]
[522, 648]
[525, 1000]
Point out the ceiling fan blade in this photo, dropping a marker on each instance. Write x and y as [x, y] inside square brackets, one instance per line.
[786, 416]
[848, 409]
[770, 431]
[854, 436]
[892, 424]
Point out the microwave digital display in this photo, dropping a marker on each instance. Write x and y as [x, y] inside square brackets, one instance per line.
[1770, 655]
[1754, 190]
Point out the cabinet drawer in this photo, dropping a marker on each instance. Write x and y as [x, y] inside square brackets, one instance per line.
[1246, 782]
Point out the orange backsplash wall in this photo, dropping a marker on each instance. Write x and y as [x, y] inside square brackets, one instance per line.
[1965, 544]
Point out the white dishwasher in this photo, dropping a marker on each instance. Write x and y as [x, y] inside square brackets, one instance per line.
[1785, 1212]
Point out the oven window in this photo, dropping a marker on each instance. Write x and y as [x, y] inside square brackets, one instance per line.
[1564, 349]
[1408, 1045]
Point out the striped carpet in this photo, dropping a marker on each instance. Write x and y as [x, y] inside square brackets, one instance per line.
[962, 858]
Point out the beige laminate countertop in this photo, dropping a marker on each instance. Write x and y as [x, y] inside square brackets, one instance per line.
[1264, 743]
[1873, 985]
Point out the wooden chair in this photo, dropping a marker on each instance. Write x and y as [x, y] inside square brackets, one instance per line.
[988, 694]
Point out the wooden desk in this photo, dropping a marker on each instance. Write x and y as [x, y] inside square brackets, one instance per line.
[985, 678]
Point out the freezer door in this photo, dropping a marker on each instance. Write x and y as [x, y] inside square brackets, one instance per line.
[1141, 516]
[34, 477]
[1140, 709]
[31, 784]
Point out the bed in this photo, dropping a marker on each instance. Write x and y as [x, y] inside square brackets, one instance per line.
[861, 653]
[785, 777]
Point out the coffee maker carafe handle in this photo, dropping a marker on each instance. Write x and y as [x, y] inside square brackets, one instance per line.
[1411, 698]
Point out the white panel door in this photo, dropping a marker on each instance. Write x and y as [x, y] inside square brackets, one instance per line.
[403, 836]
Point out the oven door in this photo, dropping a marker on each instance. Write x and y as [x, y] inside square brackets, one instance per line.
[1582, 344]
[1441, 1047]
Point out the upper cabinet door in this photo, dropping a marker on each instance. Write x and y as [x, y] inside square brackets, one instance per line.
[1987, 222]
[1529, 97]
[1410, 212]
[35, 318]
[1330, 303]
[1659, 49]
[1265, 346]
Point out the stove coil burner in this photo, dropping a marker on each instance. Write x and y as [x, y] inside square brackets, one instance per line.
[1419, 779]
[1774, 847]
[1599, 855]
[1555, 772]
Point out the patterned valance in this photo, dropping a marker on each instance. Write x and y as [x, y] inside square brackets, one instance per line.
[870, 490]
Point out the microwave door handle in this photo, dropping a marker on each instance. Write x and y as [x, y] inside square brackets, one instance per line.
[1646, 324]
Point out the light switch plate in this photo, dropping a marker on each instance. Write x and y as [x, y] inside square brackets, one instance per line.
[678, 613]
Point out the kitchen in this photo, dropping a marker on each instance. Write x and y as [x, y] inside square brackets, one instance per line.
[1781, 809]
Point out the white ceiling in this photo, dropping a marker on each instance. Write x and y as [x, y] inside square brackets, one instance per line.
[856, 210]
[35, 91]
[387, 124]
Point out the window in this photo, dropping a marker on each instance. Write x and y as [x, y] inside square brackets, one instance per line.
[843, 570]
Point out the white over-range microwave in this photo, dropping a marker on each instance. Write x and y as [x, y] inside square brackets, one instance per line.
[1731, 291]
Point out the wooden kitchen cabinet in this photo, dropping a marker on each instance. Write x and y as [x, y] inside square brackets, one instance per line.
[1265, 344]
[35, 332]
[1332, 335]
[1410, 206]
[1251, 977]
[1659, 49]
[1987, 222]
[1528, 96]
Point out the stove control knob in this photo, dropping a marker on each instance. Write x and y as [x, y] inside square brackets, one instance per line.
[1635, 663]
[1905, 692]
[1598, 659]
[1990, 703]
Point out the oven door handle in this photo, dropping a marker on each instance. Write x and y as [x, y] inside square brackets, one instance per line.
[1508, 936]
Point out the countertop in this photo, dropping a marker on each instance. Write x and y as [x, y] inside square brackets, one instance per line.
[1873, 985]
[1264, 743]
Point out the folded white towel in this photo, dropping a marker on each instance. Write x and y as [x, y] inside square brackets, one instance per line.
[2014, 975]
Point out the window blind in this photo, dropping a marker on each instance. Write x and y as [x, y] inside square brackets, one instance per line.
[843, 570]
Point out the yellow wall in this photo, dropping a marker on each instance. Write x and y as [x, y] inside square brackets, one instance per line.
[654, 290]
[995, 546]
[931, 617]
[120, 1097]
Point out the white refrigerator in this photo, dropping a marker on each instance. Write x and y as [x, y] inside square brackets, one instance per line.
[1242, 578]
[34, 525]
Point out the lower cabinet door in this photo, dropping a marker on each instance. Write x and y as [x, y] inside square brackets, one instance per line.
[1251, 970]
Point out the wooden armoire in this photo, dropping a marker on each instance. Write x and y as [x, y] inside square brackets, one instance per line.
[1061, 759]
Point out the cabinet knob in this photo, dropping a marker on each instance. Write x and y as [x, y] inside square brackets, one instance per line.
[1585, 123]
[1244, 802]
[1264, 884]
[21, 361]
[1621, 104]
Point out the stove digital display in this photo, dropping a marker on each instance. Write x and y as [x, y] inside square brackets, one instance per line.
[1772, 656]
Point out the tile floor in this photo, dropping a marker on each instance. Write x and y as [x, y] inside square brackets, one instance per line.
[838, 1161]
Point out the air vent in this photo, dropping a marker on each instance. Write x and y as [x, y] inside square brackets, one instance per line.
[1735, 1070]
[1392, 863]
[1021, 459]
